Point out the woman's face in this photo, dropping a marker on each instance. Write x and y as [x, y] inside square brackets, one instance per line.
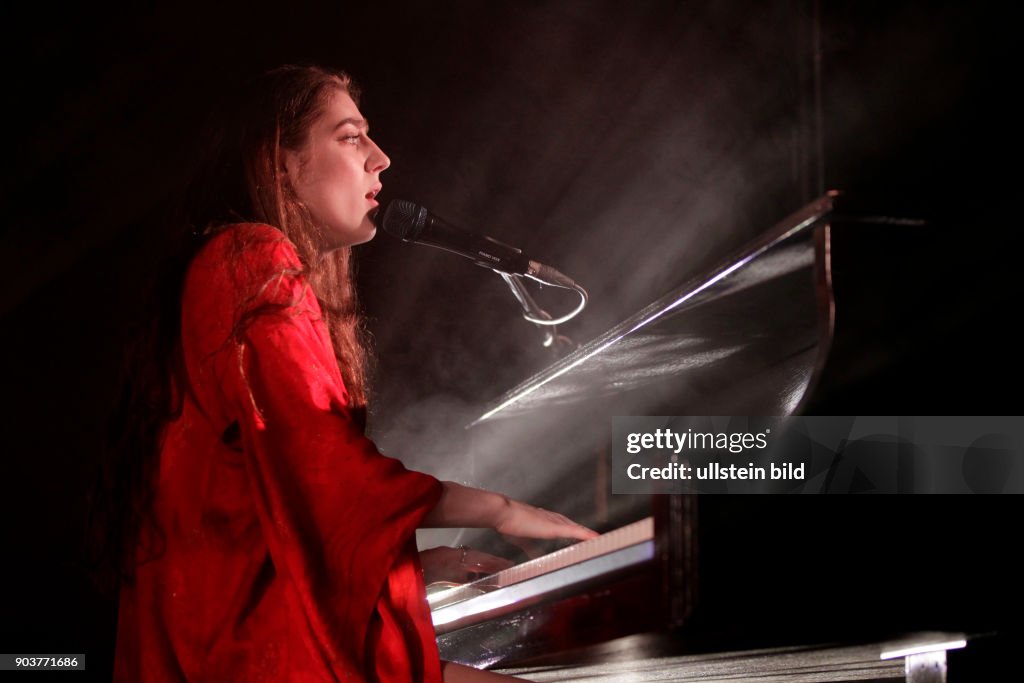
[337, 174]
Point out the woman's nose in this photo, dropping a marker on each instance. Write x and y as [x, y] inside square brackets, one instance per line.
[378, 161]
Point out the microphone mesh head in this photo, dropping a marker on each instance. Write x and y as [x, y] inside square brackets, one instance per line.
[402, 218]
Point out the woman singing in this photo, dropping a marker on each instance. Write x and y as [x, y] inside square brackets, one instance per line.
[267, 539]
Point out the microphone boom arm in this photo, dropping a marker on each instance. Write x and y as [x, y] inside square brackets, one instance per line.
[534, 313]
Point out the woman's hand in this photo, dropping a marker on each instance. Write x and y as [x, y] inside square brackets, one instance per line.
[463, 506]
[459, 565]
[526, 521]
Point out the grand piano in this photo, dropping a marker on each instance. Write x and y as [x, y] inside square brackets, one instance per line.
[755, 335]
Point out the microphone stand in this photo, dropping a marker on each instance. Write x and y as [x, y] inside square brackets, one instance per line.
[559, 343]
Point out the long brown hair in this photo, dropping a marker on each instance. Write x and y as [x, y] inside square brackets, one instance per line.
[242, 181]
[237, 179]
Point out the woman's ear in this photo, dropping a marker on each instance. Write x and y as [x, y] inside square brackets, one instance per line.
[289, 165]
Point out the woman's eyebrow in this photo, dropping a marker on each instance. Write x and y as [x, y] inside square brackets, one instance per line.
[362, 124]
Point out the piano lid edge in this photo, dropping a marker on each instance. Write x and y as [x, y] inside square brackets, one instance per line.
[826, 310]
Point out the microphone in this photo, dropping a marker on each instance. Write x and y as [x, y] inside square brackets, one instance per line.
[413, 223]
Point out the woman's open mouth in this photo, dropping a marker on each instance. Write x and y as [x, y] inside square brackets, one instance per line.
[372, 195]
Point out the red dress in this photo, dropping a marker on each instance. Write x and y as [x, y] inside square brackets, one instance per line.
[287, 550]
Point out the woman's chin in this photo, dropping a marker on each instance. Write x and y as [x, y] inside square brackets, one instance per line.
[366, 235]
[351, 238]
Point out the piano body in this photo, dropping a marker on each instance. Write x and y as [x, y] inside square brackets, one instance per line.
[750, 337]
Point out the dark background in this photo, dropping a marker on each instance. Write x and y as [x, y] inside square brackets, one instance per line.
[631, 145]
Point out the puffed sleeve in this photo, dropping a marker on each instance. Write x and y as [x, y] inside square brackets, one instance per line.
[338, 517]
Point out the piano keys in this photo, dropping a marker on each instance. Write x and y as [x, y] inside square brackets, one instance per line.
[530, 582]
[612, 585]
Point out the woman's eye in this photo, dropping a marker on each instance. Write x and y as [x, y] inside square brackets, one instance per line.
[352, 139]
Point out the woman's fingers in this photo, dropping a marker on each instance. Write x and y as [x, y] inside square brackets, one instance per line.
[521, 519]
[459, 565]
[479, 562]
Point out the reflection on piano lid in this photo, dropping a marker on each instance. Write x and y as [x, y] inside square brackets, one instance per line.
[766, 310]
[524, 584]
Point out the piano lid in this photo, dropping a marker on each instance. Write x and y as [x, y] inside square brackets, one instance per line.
[746, 338]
